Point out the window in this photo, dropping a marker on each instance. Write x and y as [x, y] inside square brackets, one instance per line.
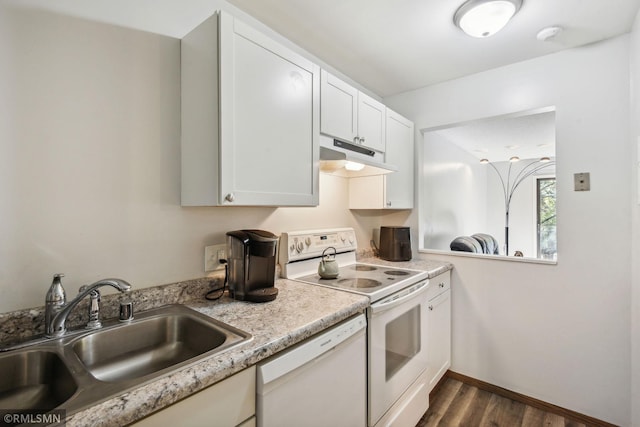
[546, 218]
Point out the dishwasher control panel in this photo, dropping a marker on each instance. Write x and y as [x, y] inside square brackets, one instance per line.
[311, 348]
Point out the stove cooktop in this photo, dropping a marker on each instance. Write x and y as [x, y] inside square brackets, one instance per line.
[375, 281]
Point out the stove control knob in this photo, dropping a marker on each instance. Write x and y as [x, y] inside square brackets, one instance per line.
[351, 239]
[299, 247]
[307, 241]
[342, 238]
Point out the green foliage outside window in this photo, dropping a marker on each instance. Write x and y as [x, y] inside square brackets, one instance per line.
[547, 240]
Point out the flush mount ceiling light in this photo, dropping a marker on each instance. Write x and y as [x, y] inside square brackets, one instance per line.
[483, 18]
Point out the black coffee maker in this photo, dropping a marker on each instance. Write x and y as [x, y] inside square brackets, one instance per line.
[251, 258]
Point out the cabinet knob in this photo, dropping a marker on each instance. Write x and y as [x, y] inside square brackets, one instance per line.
[356, 140]
[430, 308]
[388, 203]
[362, 140]
[441, 284]
[230, 197]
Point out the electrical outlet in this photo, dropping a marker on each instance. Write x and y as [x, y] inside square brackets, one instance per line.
[212, 256]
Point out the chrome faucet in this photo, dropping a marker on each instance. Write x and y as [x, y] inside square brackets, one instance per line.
[57, 309]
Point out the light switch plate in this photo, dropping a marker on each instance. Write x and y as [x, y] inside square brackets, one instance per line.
[581, 181]
[212, 256]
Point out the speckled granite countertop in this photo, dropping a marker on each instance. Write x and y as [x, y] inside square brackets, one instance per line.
[299, 312]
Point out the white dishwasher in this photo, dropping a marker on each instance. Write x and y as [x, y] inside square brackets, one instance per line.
[319, 382]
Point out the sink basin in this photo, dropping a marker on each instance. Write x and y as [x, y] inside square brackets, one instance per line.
[86, 367]
[154, 344]
[34, 380]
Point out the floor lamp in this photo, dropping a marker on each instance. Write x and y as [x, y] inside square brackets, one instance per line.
[509, 186]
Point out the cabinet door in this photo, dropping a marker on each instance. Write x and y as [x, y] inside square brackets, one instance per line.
[227, 403]
[338, 108]
[371, 122]
[269, 120]
[200, 111]
[439, 335]
[399, 152]
[393, 190]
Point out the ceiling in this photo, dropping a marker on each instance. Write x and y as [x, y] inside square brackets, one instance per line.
[388, 46]
[400, 45]
[529, 136]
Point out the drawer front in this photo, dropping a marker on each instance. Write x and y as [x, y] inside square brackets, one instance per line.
[438, 285]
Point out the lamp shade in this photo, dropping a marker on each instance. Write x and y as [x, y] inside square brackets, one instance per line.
[483, 18]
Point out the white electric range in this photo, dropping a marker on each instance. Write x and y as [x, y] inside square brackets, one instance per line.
[301, 252]
[396, 330]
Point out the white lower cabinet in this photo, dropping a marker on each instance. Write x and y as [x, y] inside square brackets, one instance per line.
[393, 190]
[231, 402]
[439, 328]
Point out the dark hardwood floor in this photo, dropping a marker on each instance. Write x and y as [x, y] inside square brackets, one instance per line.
[459, 404]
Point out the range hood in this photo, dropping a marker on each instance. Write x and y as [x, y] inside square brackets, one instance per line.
[337, 156]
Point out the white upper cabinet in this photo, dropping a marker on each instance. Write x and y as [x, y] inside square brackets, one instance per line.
[393, 190]
[250, 119]
[371, 123]
[338, 108]
[350, 115]
[399, 185]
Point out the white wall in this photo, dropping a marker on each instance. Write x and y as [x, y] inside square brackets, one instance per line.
[90, 163]
[635, 210]
[558, 333]
[454, 194]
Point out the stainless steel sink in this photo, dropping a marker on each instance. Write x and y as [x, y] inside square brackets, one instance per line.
[152, 345]
[34, 379]
[86, 367]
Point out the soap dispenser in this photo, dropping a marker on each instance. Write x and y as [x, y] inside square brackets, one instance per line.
[55, 298]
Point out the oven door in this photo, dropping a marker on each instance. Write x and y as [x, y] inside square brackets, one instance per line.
[397, 346]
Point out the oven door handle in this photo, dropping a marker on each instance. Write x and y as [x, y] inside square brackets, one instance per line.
[400, 298]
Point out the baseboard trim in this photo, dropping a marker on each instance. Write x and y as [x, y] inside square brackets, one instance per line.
[536, 403]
